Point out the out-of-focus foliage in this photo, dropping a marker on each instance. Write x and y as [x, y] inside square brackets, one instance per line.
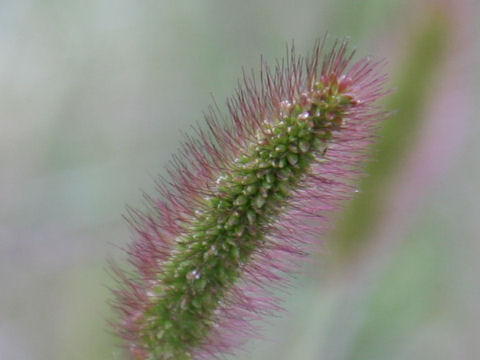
[93, 97]
[413, 88]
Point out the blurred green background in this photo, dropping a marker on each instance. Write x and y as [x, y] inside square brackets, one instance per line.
[93, 96]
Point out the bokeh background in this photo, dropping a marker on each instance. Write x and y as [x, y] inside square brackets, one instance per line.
[93, 97]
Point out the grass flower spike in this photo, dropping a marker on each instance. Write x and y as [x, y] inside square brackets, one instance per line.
[246, 198]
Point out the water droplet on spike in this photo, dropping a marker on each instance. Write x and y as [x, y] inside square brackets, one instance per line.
[304, 116]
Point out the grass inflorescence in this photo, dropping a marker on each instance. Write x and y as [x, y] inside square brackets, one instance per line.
[245, 201]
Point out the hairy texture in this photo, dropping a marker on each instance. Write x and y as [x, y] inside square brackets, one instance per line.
[245, 200]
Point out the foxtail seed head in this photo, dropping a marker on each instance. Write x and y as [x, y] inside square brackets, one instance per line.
[244, 201]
